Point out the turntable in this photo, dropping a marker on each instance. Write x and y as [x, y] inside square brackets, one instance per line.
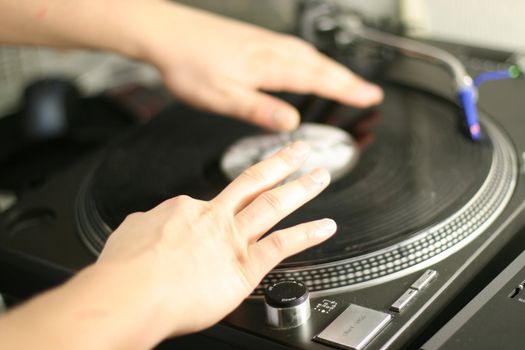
[423, 201]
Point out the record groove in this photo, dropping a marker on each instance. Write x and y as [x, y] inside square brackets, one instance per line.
[420, 190]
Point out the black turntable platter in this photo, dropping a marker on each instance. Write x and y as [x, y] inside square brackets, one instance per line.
[417, 172]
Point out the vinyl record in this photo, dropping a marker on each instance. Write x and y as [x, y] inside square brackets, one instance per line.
[416, 168]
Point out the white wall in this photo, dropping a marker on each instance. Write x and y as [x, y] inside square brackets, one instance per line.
[487, 23]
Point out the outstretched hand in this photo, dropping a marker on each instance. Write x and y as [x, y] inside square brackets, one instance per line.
[178, 268]
[209, 256]
[222, 65]
[209, 61]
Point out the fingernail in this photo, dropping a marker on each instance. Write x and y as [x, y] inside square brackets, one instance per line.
[299, 149]
[320, 176]
[286, 119]
[325, 227]
[368, 93]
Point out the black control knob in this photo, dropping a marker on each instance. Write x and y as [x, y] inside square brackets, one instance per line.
[287, 304]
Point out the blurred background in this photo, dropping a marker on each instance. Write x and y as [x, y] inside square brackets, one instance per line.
[483, 23]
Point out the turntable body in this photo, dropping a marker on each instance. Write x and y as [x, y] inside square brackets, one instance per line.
[421, 199]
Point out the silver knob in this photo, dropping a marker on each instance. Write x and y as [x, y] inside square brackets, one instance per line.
[287, 304]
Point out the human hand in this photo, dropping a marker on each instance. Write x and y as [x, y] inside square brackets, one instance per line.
[206, 257]
[220, 65]
[209, 61]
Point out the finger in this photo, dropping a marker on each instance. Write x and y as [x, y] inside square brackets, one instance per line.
[272, 206]
[279, 245]
[322, 76]
[339, 83]
[234, 100]
[262, 176]
[259, 108]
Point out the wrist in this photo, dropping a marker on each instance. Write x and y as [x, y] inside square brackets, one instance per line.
[128, 24]
[148, 24]
[130, 294]
[112, 305]
[105, 306]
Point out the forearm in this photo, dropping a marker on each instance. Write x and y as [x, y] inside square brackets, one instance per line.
[96, 24]
[104, 307]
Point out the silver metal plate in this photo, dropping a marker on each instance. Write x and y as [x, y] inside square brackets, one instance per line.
[405, 299]
[424, 280]
[354, 328]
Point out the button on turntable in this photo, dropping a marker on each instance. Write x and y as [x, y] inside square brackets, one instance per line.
[354, 328]
[287, 304]
[411, 293]
[403, 301]
[424, 280]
